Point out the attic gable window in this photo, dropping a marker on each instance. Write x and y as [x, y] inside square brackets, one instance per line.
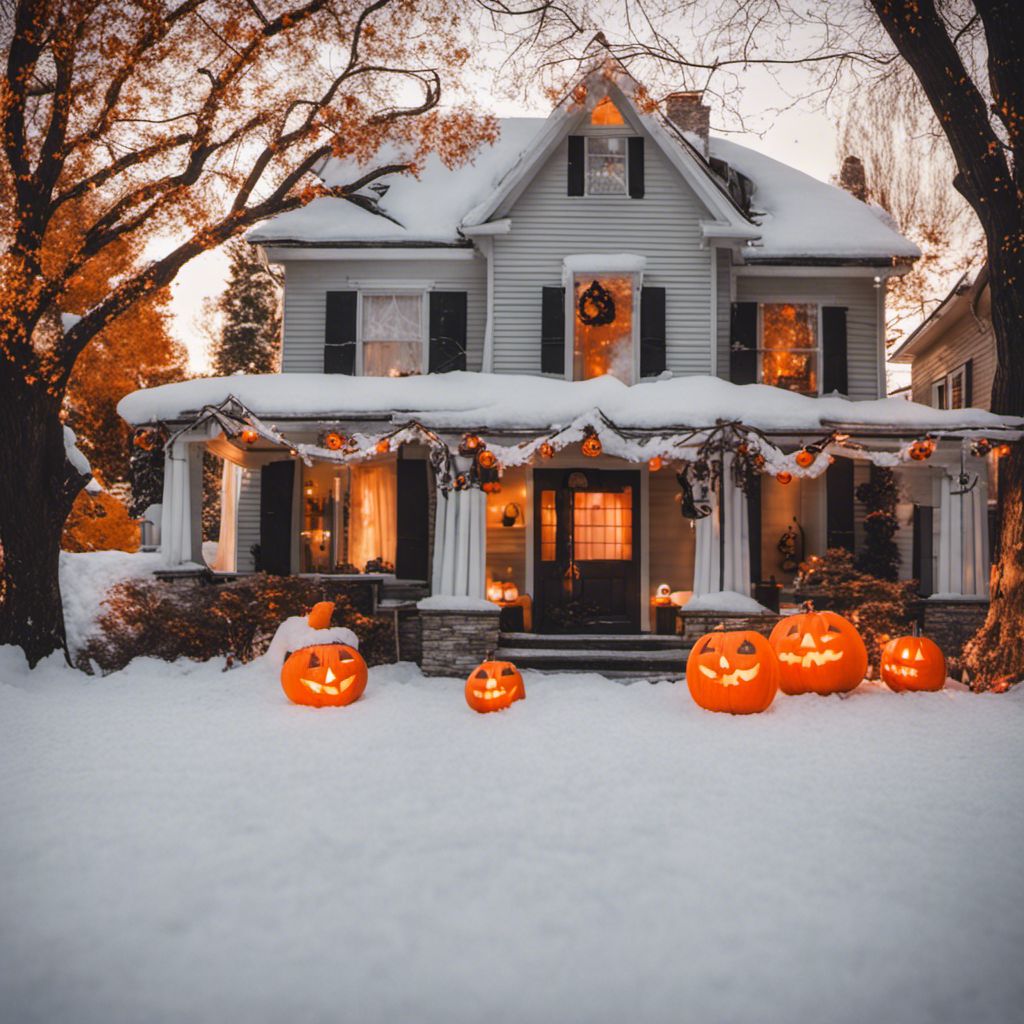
[606, 165]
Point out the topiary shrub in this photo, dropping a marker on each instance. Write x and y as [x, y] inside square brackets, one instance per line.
[880, 555]
[879, 608]
[168, 620]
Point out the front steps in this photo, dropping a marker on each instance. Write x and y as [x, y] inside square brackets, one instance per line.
[618, 656]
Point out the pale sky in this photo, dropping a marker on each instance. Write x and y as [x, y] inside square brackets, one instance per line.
[801, 137]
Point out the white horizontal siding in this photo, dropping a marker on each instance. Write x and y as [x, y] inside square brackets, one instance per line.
[857, 294]
[965, 338]
[548, 224]
[308, 281]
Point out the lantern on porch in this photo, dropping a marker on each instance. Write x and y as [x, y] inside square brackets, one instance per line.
[654, 463]
[735, 671]
[1002, 451]
[591, 446]
[495, 591]
[509, 592]
[804, 458]
[494, 686]
[324, 675]
[913, 663]
[819, 652]
[333, 441]
[249, 436]
[663, 595]
[547, 451]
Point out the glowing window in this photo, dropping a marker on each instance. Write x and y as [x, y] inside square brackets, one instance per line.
[789, 346]
[606, 165]
[606, 113]
[603, 525]
[392, 335]
[548, 525]
[603, 334]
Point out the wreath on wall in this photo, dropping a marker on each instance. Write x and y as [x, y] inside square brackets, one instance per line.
[596, 306]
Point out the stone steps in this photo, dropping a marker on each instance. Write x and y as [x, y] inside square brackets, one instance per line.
[633, 656]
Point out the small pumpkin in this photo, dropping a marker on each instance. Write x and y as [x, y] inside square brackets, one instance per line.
[494, 686]
[591, 446]
[547, 451]
[913, 663]
[249, 436]
[734, 671]
[383, 446]
[654, 463]
[324, 675]
[334, 441]
[784, 477]
[819, 652]
[804, 458]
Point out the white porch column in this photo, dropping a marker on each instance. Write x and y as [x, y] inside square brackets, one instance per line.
[708, 574]
[181, 518]
[460, 544]
[963, 534]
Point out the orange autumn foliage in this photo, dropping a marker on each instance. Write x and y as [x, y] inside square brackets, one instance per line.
[99, 522]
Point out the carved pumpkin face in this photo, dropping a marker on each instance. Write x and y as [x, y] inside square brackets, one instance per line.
[913, 663]
[819, 652]
[732, 671]
[493, 686]
[324, 676]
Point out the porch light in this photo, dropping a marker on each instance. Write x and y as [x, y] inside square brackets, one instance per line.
[495, 591]
[510, 514]
[249, 436]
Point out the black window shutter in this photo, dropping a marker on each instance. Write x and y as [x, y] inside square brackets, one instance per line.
[413, 513]
[834, 376]
[754, 527]
[969, 383]
[839, 504]
[635, 152]
[576, 165]
[552, 331]
[652, 331]
[276, 484]
[743, 343]
[340, 333]
[921, 554]
[447, 331]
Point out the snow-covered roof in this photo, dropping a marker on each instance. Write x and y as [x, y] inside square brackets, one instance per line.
[510, 402]
[798, 217]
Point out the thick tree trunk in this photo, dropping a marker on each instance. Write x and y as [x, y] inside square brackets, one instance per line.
[37, 487]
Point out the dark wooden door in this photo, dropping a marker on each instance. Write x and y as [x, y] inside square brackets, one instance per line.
[413, 514]
[587, 551]
[277, 481]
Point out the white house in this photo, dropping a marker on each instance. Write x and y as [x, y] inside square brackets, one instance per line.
[633, 319]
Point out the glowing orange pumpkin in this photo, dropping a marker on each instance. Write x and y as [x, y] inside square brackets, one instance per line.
[324, 675]
[921, 450]
[494, 686]
[734, 671]
[487, 459]
[547, 451]
[333, 440]
[591, 446]
[383, 445]
[654, 463]
[784, 477]
[249, 436]
[804, 458]
[819, 652]
[913, 663]
[321, 614]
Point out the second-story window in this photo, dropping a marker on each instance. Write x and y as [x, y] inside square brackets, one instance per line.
[606, 165]
[392, 334]
[788, 346]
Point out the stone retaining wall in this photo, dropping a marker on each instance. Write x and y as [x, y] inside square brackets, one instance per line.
[951, 623]
[410, 634]
[455, 642]
[693, 625]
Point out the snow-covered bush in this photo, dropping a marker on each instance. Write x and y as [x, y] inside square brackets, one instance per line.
[153, 618]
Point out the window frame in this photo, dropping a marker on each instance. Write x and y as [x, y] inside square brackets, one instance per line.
[609, 132]
[946, 383]
[569, 303]
[819, 304]
[419, 290]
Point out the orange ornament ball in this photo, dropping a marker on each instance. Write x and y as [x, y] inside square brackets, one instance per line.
[654, 463]
[333, 441]
[784, 477]
[591, 446]
[324, 675]
[494, 686]
[804, 458]
[913, 663]
[733, 671]
[487, 459]
[383, 446]
[547, 451]
[249, 436]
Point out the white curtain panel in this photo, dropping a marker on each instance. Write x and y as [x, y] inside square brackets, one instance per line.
[706, 574]
[227, 538]
[963, 538]
[373, 530]
[460, 544]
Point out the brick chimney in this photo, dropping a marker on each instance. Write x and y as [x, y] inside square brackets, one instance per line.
[688, 113]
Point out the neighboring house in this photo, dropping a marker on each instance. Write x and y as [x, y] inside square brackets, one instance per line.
[606, 241]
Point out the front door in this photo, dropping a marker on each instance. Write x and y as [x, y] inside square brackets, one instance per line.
[586, 551]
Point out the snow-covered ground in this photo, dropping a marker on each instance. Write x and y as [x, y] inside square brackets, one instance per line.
[179, 843]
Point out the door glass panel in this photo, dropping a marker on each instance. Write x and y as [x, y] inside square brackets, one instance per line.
[603, 337]
[548, 525]
[603, 525]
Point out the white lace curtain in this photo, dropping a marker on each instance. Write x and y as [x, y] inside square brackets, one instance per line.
[373, 500]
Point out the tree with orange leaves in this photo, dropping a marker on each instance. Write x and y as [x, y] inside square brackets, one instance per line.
[125, 119]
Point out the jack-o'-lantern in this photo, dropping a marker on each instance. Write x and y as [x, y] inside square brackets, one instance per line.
[471, 442]
[654, 463]
[320, 615]
[494, 686]
[333, 440]
[249, 436]
[591, 446]
[487, 459]
[734, 671]
[547, 451]
[784, 477]
[819, 652]
[324, 675]
[383, 446]
[804, 458]
[913, 663]
[921, 450]
[1002, 451]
